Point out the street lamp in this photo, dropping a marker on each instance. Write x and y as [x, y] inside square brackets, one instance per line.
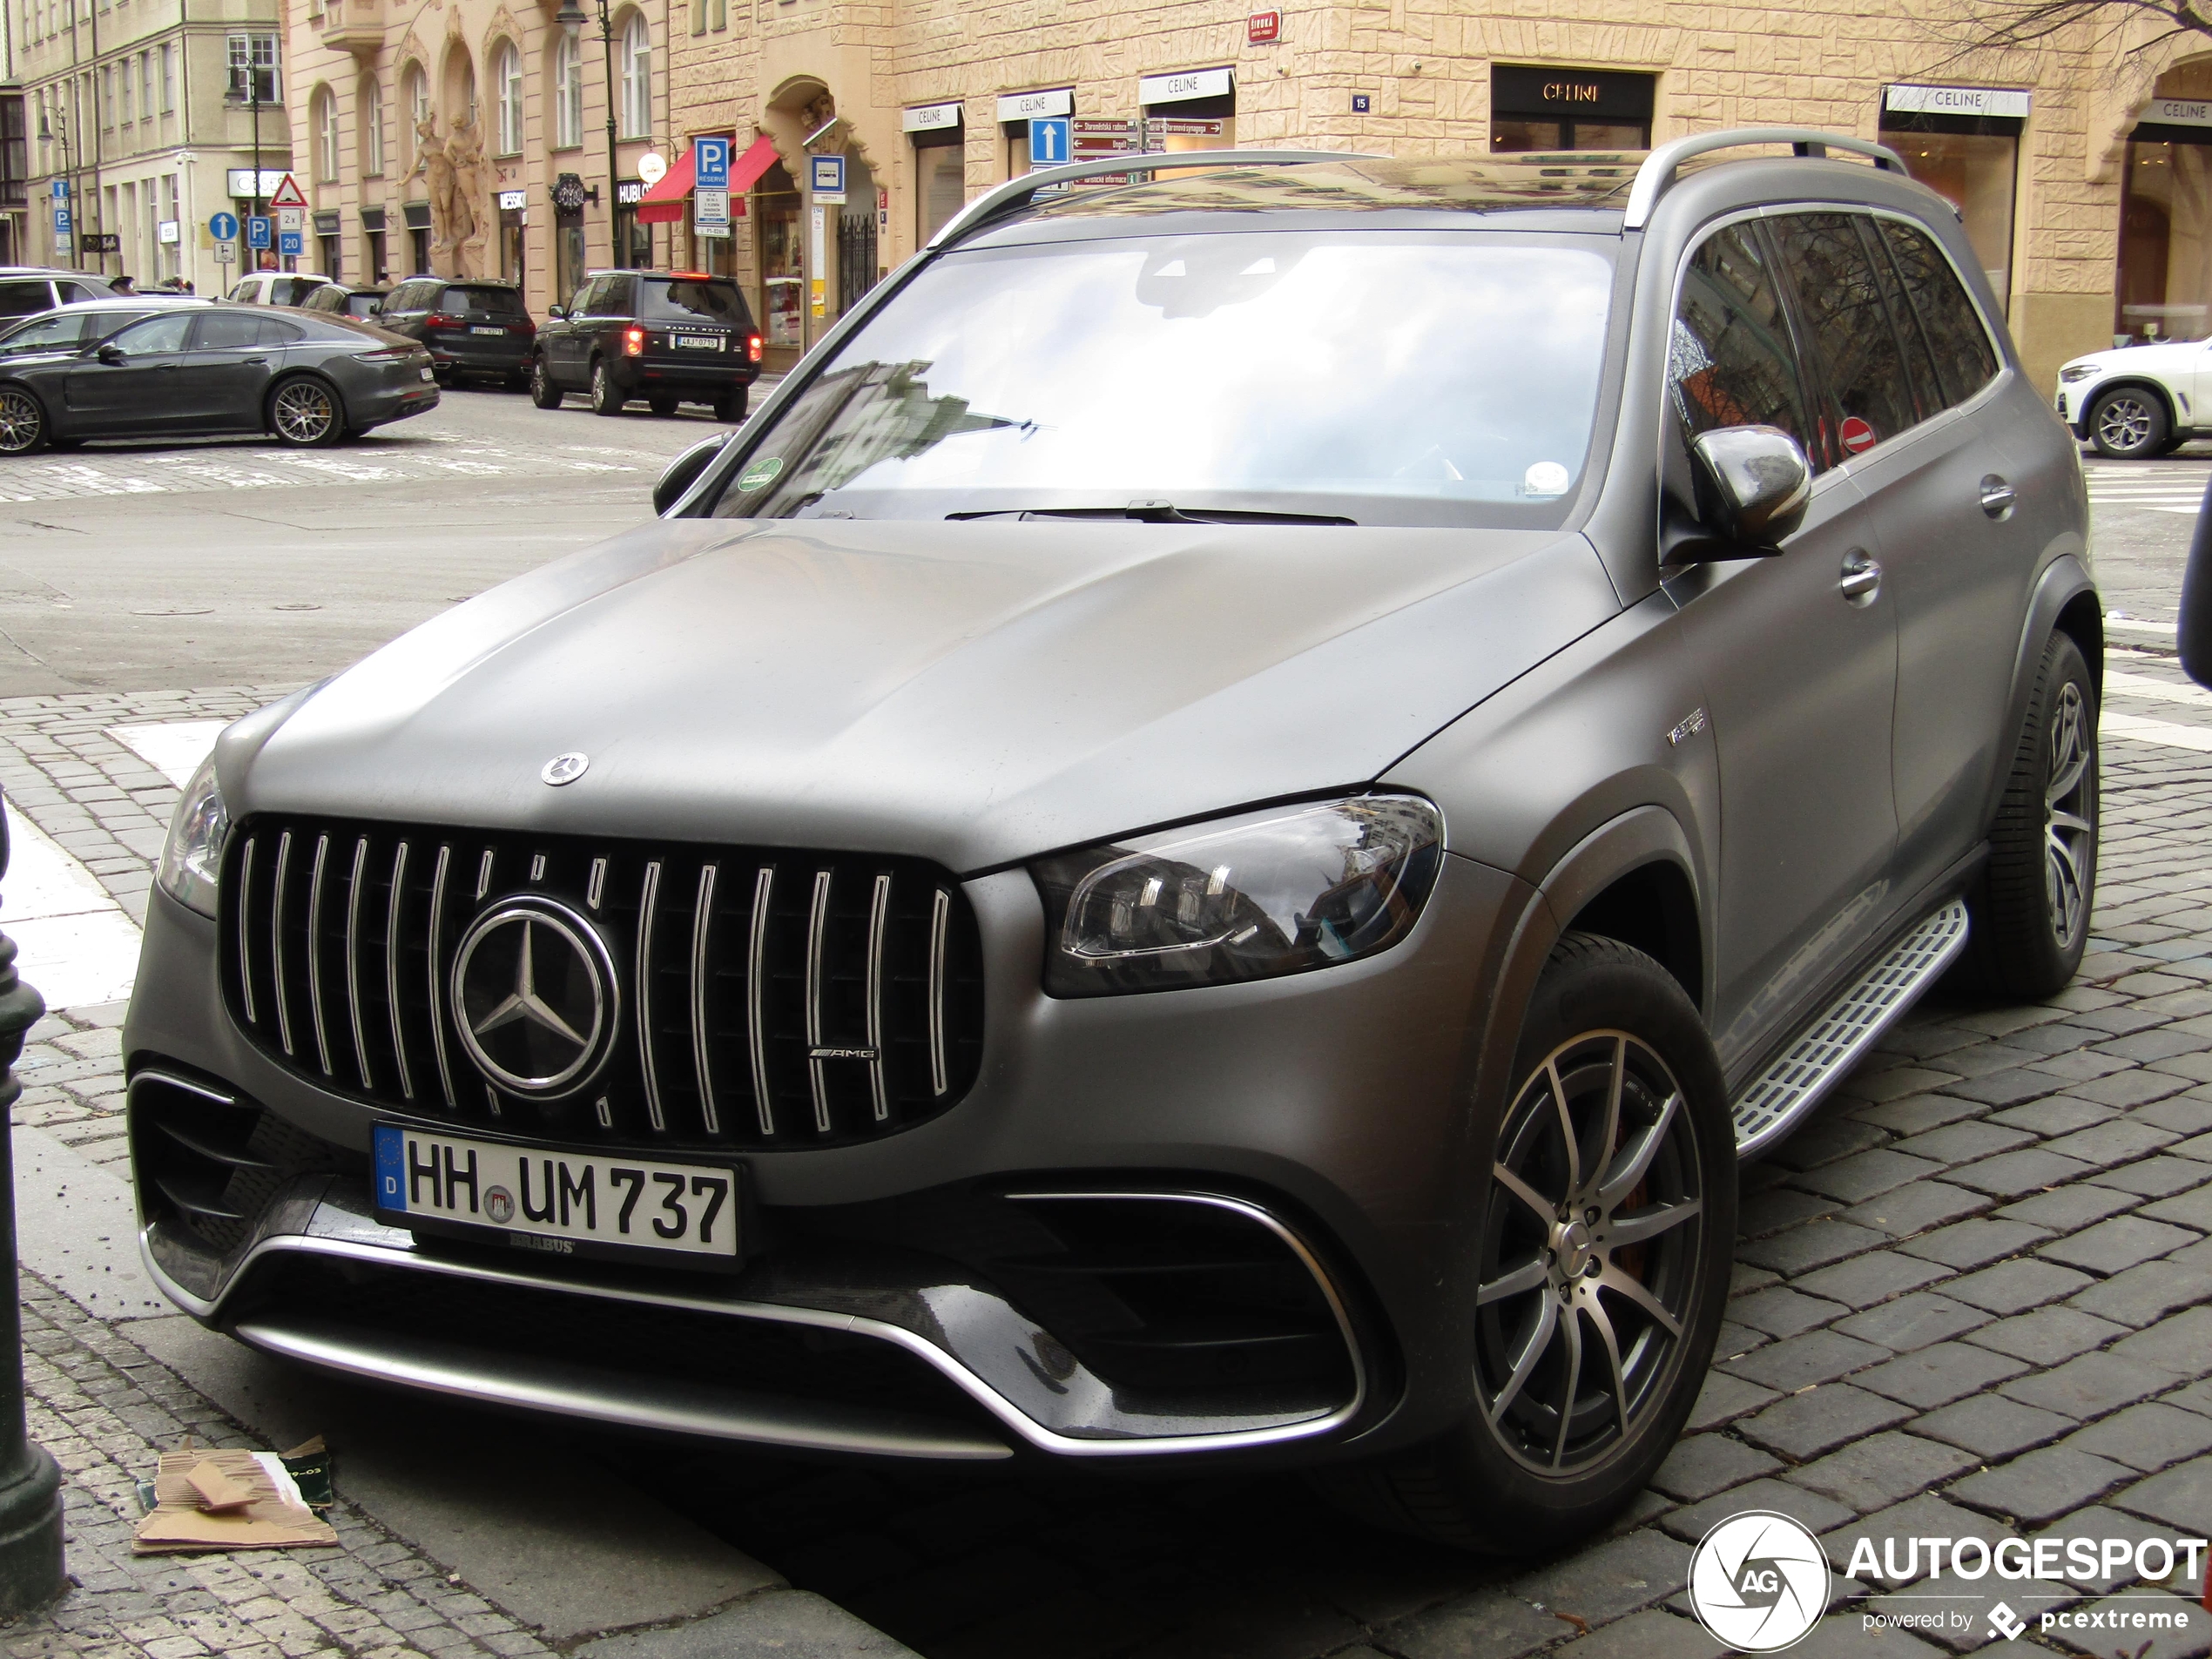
[570, 16]
[250, 97]
[48, 130]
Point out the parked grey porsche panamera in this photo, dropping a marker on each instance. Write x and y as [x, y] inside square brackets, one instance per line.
[1206, 841]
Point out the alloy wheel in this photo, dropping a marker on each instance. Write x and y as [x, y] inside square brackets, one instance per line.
[21, 422]
[2124, 423]
[2068, 830]
[1589, 1252]
[304, 412]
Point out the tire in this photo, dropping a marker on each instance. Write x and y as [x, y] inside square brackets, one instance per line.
[543, 392]
[1519, 1475]
[606, 397]
[2032, 920]
[305, 413]
[729, 408]
[663, 406]
[2128, 423]
[23, 422]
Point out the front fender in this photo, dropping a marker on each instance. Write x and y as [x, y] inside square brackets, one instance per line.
[2065, 594]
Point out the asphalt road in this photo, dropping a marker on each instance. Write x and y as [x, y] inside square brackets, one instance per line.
[149, 567]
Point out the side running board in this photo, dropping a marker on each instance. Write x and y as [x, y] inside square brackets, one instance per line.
[1826, 1050]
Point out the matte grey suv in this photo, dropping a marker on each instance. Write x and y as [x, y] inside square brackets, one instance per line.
[1207, 839]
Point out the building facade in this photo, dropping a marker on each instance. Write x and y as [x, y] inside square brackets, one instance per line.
[144, 118]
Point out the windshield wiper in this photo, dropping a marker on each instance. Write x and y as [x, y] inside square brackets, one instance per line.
[1160, 512]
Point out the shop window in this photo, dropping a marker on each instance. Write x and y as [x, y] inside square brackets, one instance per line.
[1972, 161]
[567, 255]
[2165, 289]
[940, 177]
[783, 263]
[1534, 109]
[1185, 124]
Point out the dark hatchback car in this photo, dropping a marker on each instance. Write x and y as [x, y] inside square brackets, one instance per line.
[341, 300]
[205, 371]
[480, 328]
[669, 337]
[86, 322]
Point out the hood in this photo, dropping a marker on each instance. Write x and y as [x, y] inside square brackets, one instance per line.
[2165, 358]
[975, 693]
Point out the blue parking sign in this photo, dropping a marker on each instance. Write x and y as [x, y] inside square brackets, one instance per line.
[257, 231]
[223, 226]
[710, 163]
[1051, 139]
[62, 222]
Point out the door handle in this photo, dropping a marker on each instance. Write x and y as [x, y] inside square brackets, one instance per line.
[257, 360]
[1862, 577]
[1997, 496]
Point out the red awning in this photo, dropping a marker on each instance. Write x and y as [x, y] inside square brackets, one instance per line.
[663, 202]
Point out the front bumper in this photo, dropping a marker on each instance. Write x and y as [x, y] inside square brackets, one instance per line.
[1327, 1110]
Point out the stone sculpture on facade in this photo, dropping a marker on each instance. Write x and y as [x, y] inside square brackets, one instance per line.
[454, 169]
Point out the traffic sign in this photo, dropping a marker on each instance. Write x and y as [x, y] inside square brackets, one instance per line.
[1051, 140]
[291, 218]
[710, 210]
[826, 179]
[223, 226]
[227, 251]
[59, 190]
[257, 231]
[287, 193]
[63, 223]
[290, 244]
[710, 163]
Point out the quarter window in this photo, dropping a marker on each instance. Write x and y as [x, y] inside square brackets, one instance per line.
[1960, 344]
[1840, 297]
[1731, 361]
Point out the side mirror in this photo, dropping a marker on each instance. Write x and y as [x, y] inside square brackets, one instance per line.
[1753, 484]
[684, 470]
[556, 311]
[113, 354]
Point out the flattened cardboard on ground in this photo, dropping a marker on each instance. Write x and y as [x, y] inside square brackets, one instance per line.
[273, 1517]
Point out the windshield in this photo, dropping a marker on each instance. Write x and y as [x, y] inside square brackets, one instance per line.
[1379, 377]
[709, 301]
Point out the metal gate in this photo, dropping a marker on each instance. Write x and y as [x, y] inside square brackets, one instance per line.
[855, 256]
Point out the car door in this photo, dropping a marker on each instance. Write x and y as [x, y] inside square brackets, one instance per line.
[1957, 568]
[132, 383]
[1799, 660]
[567, 351]
[405, 306]
[226, 372]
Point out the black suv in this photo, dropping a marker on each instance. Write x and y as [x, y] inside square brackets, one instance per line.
[470, 328]
[667, 336]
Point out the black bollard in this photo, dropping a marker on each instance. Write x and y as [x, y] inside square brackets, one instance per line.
[31, 1485]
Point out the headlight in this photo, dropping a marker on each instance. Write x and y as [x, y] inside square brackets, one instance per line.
[2073, 371]
[1281, 891]
[192, 858]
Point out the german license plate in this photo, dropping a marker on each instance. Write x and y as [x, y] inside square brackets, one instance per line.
[429, 375]
[487, 331]
[699, 342]
[565, 1204]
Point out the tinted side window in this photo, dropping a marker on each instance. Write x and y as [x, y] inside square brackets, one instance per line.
[621, 297]
[1963, 353]
[277, 331]
[1731, 361]
[1840, 298]
[227, 331]
[22, 299]
[70, 291]
[165, 332]
[243, 293]
[1919, 367]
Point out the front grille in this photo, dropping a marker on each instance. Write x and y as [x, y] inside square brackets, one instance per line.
[764, 998]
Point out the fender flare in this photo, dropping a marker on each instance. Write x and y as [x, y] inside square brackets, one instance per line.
[2134, 382]
[2060, 589]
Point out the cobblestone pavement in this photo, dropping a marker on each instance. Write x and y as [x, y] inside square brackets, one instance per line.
[1974, 1295]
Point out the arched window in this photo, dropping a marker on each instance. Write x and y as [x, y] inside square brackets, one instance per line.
[568, 95]
[637, 78]
[414, 108]
[507, 88]
[326, 135]
[368, 100]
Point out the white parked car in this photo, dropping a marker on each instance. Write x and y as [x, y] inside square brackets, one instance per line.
[2136, 402]
[275, 288]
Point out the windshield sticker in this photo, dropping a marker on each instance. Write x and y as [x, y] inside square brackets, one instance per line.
[1545, 478]
[760, 473]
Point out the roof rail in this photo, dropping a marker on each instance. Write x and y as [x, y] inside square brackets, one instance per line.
[1659, 168]
[1015, 192]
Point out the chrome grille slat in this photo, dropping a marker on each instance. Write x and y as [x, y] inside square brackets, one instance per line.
[816, 924]
[851, 982]
[647, 914]
[701, 920]
[756, 997]
[352, 961]
[393, 920]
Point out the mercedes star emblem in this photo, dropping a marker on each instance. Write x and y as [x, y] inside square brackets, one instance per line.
[565, 769]
[535, 996]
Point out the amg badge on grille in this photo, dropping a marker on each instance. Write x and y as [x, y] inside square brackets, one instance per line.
[565, 768]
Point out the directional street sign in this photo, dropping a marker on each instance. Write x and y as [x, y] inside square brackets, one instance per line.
[226, 252]
[257, 231]
[711, 164]
[223, 226]
[60, 190]
[290, 244]
[1051, 140]
[287, 193]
